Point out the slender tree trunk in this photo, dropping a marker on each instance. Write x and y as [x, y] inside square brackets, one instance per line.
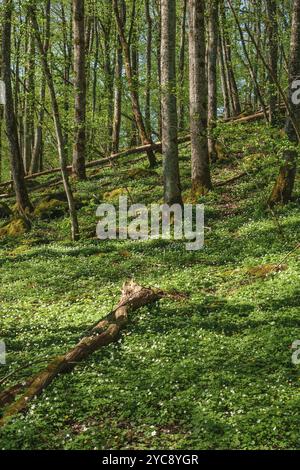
[118, 88]
[17, 168]
[283, 188]
[58, 128]
[117, 102]
[226, 101]
[273, 57]
[158, 49]
[201, 180]
[234, 94]
[37, 157]
[145, 138]
[134, 49]
[29, 101]
[212, 53]
[181, 68]
[249, 63]
[80, 89]
[67, 51]
[172, 188]
[149, 68]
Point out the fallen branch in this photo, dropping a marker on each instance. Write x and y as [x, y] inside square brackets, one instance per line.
[231, 180]
[103, 333]
[103, 161]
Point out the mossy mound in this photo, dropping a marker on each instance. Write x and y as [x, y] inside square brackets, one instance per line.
[15, 228]
[5, 211]
[265, 270]
[62, 197]
[112, 195]
[137, 173]
[50, 209]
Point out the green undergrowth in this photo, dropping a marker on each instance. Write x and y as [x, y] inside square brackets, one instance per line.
[211, 370]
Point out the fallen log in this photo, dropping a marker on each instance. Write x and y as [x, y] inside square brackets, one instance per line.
[103, 161]
[136, 150]
[101, 334]
[250, 117]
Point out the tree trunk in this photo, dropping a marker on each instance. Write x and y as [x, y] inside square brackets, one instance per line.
[133, 94]
[234, 94]
[37, 157]
[172, 188]
[213, 12]
[118, 87]
[149, 68]
[17, 168]
[283, 189]
[225, 92]
[58, 128]
[80, 89]
[181, 68]
[272, 29]
[201, 179]
[29, 86]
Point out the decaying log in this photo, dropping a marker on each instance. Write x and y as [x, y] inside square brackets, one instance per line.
[103, 333]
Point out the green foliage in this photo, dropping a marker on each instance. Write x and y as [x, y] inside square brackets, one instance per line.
[210, 371]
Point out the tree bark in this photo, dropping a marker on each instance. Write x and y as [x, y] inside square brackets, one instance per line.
[226, 43]
[29, 100]
[201, 179]
[212, 53]
[149, 68]
[272, 29]
[118, 87]
[37, 156]
[79, 149]
[17, 168]
[283, 188]
[172, 188]
[181, 68]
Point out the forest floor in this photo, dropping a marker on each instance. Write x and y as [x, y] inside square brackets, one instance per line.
[210, 371]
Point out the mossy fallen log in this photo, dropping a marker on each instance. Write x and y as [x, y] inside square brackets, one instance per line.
[103, 333]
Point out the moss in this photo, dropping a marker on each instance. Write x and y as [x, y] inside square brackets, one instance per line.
[137, 173]
[50, 209]
[265, 270]
[14, 228]
[112, 195]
